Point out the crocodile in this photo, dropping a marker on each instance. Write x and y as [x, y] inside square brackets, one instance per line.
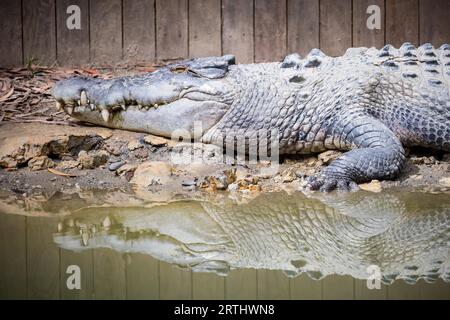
[370, 103]
[405, 235]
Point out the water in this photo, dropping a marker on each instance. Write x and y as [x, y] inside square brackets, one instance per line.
[275, 246]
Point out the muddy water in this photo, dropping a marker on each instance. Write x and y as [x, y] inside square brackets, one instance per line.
[101, 245]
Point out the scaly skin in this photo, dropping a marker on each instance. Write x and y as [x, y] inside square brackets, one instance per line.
[368, 102]
[405, 235]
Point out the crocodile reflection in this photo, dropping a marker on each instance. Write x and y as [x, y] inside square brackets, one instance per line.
[406, 235]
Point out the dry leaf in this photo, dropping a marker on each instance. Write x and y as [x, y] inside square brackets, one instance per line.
[63, 174]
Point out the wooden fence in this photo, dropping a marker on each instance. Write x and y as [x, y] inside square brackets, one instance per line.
[253, 30]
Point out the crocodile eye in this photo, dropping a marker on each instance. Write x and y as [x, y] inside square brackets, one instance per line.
[297, 79]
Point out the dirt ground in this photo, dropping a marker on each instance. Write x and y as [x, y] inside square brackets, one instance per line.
[44, 151]
[44, 158]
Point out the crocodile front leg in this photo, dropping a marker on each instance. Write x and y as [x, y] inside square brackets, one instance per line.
[376, 154]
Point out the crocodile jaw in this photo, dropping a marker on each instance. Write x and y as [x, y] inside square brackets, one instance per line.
[175, 119]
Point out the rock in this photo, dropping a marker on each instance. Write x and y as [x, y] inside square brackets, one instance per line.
[219, 181]
[233, 187]
[115, 165]
[126, 168]
[22, 142]
[141, 153]
[40, 163]
[242, 174]
[301, 174]
[115, 147]
[373, 186]
[134, 144]
[189, 182]
[288, 176]
[423, 160]
[67, 165]
[312, 161]
[155, 141]
[93, 159]
[446, 157]
[152, 173]
[329, 156]
[445, 181]
[254, 188]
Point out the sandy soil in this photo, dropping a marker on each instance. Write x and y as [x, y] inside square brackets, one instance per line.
[42, 158]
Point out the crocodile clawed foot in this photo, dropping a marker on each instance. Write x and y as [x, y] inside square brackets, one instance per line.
[328, 184]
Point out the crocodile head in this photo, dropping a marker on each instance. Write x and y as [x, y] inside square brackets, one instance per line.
[168, 101]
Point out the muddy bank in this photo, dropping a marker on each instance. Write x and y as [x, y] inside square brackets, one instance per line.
[41, 158]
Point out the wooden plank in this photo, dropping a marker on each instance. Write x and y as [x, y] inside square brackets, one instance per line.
[335, 26]
[237, 31]
[73, 44]
[109, 275]
[106, 30]
[175, 284]
[84, 260]
[338, 287]
[364, 293]
[39, 35]
[208, 286]
[171, 29]
[142, 277]
[11, 33]
[270, 30]
[434, 22]
[272, 285]
[303, 25]
[402, 22]
[304, 288]
[43, 259]
[13, 257]
[362, 35]
[139, 30]
[400, 290]
[435, 291]
[205, 28]
[241, 284]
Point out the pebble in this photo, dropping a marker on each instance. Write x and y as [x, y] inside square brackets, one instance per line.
[233, 187]
[155, 141]
[329, 156]
[115, 165]
[133, 145]
[189, 183]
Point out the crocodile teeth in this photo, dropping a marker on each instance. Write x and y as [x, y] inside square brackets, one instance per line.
[123, 107]
[92, 106]
[105, 115]
[70, 110]
[58, 106]
[83, 98]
